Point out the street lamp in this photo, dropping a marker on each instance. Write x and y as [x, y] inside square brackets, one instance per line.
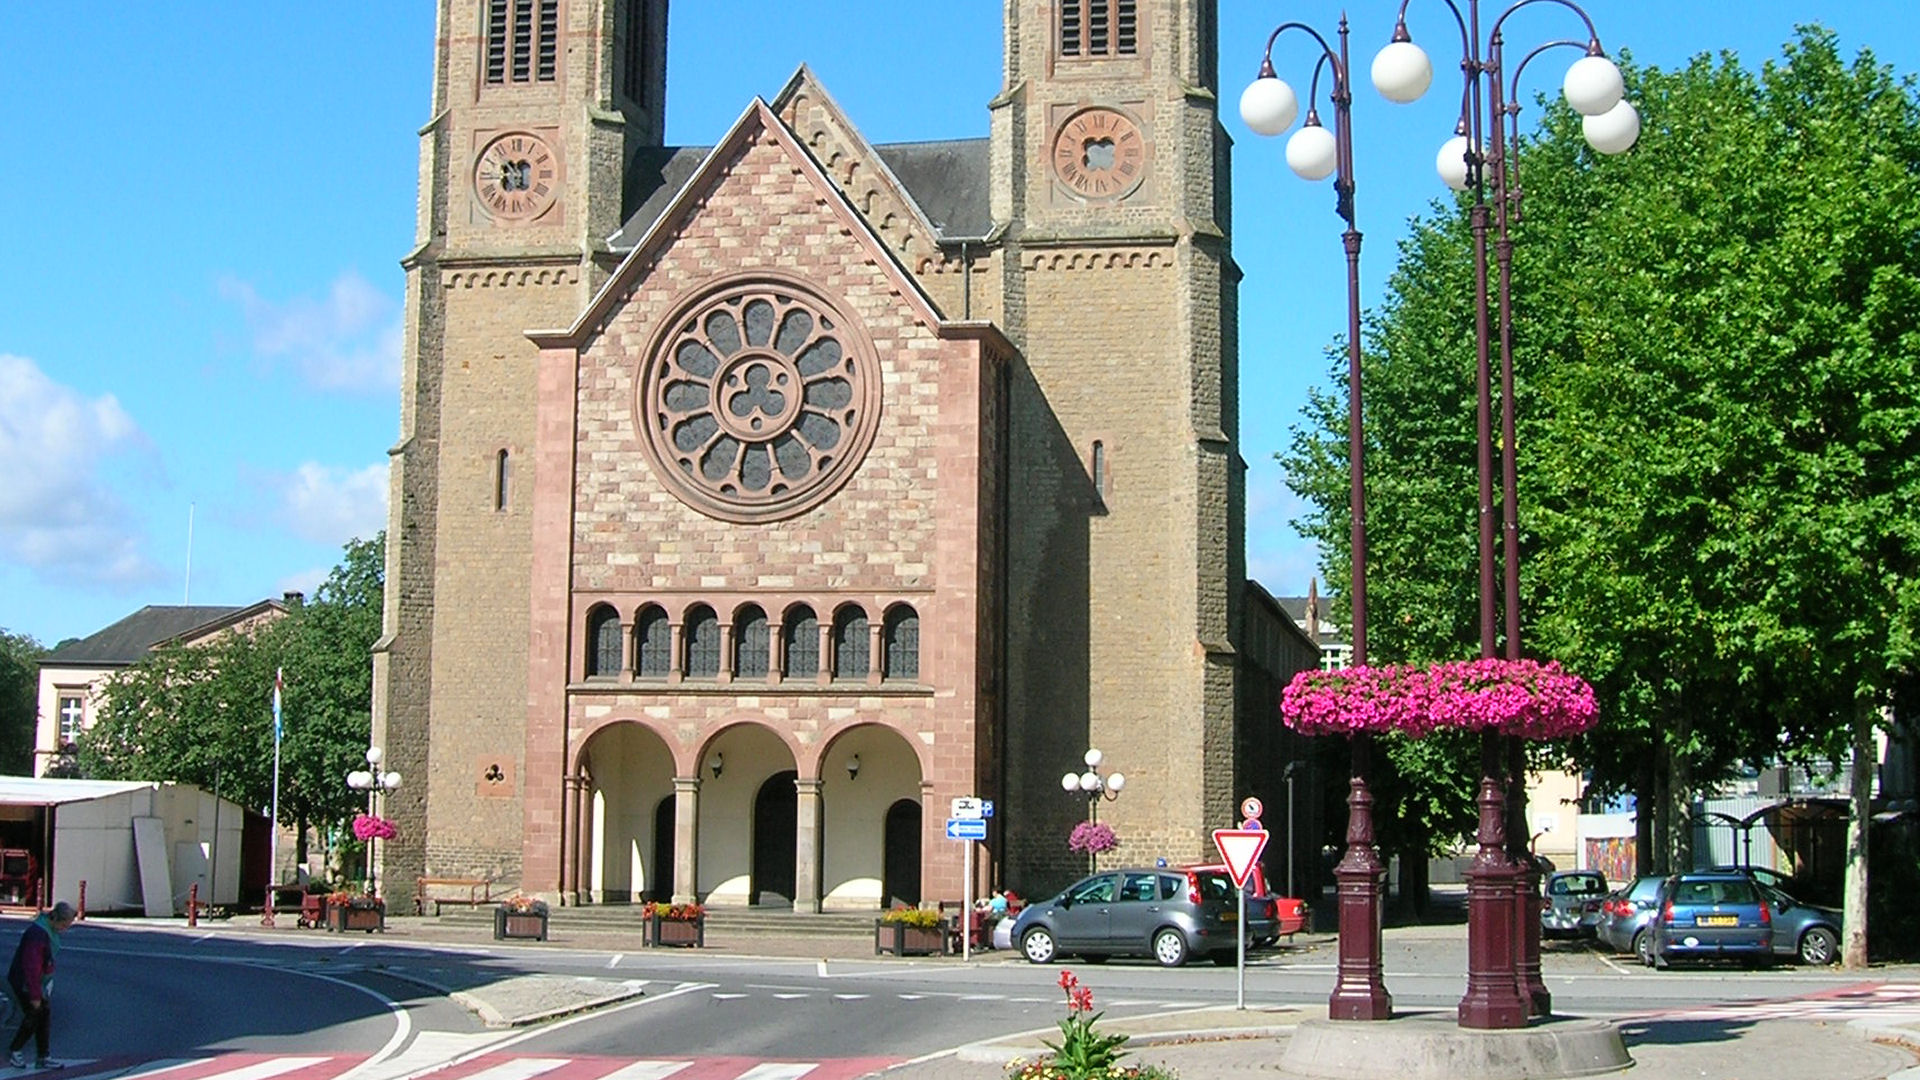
[1095, 786]
[1268, 105]
[374, 782]
[1503, 966]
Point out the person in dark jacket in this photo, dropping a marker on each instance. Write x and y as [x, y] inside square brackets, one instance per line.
[30, 976]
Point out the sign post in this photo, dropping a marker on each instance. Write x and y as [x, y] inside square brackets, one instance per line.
[1240, 849]
[966, 829]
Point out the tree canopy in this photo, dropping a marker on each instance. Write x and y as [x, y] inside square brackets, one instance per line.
[203, 714]
[1715, 341]
[19, 700]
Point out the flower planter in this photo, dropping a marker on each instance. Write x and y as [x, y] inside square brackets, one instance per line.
[902, 940]
[684, 933]
[521, 925]
[368, 915]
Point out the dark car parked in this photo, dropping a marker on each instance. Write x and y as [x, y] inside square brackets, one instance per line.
[1708, 916]
[1168, 914]
[1572, 905]
[1626, 913]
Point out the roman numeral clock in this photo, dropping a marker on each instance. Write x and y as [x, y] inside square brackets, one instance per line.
[517, 176]
[1099, 154]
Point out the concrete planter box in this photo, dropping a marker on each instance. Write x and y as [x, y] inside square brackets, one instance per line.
[902, 940]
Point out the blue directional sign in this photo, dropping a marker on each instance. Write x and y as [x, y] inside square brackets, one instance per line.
[966, 829]
[986, 808]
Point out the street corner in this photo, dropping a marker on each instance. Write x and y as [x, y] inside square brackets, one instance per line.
[521, 1000]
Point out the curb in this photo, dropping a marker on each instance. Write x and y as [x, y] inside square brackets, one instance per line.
[1906, 1038]
[494, 1018]
[1027, 1044]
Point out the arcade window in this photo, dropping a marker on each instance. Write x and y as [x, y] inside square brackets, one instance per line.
[850, 644]
[802, 634]
[523, 40]
[901, 634]
[703, 644]
[750, 644]
[1095, 29]
[653, 636]
[603, 636]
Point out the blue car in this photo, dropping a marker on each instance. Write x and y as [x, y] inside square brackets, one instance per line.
[1710, 916]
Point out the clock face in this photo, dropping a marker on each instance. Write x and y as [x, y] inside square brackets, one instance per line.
[1100, 154]
[517, 177]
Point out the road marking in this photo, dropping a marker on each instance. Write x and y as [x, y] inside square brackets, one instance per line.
[776, 1072]
[983, 997]
[614, 960]
[728, 997]
[850, 997]
[519, 1069]
[647, 1070]
[911, 997]
[791, 997]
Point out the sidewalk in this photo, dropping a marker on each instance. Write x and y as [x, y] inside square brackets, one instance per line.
[1198, 1044]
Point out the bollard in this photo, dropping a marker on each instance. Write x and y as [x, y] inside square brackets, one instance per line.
[193, 904]
[267, 918]
[81, 915]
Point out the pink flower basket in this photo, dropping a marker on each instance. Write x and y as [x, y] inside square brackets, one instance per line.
[1513, 697]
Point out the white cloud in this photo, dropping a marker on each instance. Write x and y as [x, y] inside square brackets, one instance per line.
[306, 582]
[349, 339]
[331, 506]
[57, 515]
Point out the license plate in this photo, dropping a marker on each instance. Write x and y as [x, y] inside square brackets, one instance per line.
[1716, 920]
[1229, 916]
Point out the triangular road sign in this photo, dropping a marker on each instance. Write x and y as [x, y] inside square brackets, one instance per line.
[1240, 849]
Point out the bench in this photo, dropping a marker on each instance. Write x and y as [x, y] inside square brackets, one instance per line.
[471, 892]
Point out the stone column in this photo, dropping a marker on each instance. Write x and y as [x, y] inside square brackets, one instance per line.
[776, 652]
[582, 840]
[827, 659]
[677, 635]
[726, 654]
[628, 646]
[806, 846]
[686, 839]
[876, 655]
[569, 829]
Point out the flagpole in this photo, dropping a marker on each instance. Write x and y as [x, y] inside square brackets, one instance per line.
[273, 823]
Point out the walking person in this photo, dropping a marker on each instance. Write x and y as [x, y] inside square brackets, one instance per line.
[30, 977]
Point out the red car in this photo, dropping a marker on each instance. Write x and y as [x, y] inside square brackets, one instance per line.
[1269, 917]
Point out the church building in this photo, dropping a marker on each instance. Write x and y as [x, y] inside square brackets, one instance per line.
[754, 501]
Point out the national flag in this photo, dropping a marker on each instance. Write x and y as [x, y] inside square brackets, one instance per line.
[278, 682]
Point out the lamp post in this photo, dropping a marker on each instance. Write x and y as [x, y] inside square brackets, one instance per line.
[1503, 979]
[374, 782]
[1095, 786]
[1268, 106]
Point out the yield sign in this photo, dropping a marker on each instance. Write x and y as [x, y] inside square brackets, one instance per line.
[1240, 848]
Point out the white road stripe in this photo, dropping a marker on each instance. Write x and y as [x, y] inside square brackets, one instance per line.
[851, 997]
[776, 1072]
[791, 997]
[647, 1070]
[728, 997]
[520, 1069]
[614, 960]
[261, 1070]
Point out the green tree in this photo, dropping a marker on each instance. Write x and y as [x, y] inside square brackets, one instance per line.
[202, 714]
[19, 700]
[1716, 346]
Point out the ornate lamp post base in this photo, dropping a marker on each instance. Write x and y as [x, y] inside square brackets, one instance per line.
[1360, 991]
[1493, 998]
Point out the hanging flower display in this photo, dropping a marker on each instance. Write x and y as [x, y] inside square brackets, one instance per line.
[1512, 697]
[371, 827]
[1091, 839]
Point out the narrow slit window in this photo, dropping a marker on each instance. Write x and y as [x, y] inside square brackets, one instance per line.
[1099, 471]
[500, 481]
[639, 37]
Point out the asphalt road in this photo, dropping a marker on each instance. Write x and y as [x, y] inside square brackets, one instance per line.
[138, 992]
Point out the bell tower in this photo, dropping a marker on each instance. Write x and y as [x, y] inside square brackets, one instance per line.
[1127, 511]
[539, 108]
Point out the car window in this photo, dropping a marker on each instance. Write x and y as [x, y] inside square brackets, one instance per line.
[1577, 885]
[1644, 889]
[1718, 891]
[1093, 890]
[1171, 886]
[1138, 887]
[1215, 886]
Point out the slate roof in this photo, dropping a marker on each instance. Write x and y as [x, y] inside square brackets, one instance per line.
[948, 179]
[128, 640]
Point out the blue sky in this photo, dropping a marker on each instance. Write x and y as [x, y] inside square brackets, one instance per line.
[201, 297]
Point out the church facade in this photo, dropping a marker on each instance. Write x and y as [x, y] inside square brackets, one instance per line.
[754, 501]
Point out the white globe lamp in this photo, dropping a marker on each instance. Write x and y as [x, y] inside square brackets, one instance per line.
[1451, 163]
[1593, 85]
[1402, 72]
[1116, 782]
[1614, 131]
[1070, 782]
[1268, 105]
[1312, 153]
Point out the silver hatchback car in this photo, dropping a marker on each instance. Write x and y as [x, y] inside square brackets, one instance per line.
[1168, 914]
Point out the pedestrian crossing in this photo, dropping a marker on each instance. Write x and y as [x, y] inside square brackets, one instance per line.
[1892, 1003]
[497, 1066]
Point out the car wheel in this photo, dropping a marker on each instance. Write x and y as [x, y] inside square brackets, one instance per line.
[1038, 945]
[1170, 948]
[1819, 946]
[1643, 947]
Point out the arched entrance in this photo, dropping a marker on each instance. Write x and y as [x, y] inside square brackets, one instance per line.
[632, 772]
[776, 816]
[660, 885]
[900, 873]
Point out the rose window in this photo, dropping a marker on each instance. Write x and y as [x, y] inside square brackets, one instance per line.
[758, 400]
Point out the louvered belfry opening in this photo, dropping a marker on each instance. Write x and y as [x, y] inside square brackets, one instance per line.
[1094, 29]
[523, 41]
